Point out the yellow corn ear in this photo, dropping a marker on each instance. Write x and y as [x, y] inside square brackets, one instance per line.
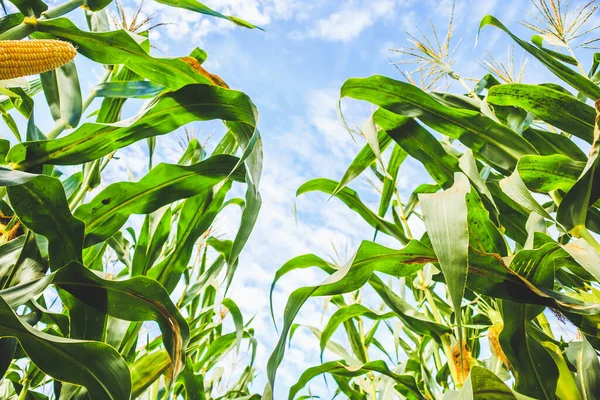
[463, 364]
[20, 58]
[494, 339]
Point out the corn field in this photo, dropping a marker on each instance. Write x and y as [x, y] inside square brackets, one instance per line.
[119, 289]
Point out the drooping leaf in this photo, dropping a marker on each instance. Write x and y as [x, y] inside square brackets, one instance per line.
[351, 277]
[41, 205]
[419, 144]
[482, 384]
[389, 184]
[514, 188]
[351, 199]
[197, 215]
[488, 139]
[106, 47]
[445, 216]
[9, 177]
[548, 173]
[584, 357]
[300, 262]
[68, 360]
[111, 208]
[196, 6]
[468, 166]
[69, 94]
[573, 209]
[535, 371]
[363, 159]
[345, 313]
[91, 141]
[135, 299]
[556, 108]
[416, 321]
[125, 89]
[341, 368]
[563, 72]
[250, 141]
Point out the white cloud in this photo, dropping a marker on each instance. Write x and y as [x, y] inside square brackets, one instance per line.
[182, 24]
[344, 25]
[348, 22]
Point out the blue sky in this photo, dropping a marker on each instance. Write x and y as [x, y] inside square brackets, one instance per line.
[293, 72]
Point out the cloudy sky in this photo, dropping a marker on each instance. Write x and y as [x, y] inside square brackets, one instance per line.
[293, 71]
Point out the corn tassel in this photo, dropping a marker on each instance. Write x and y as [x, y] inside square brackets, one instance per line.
[20, 58]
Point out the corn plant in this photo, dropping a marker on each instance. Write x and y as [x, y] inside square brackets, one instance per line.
[500, 297]
[95, 304]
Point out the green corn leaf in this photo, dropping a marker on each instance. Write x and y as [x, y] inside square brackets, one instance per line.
[111, 107]
[342, 369]
[585, 255]
[135, 299]
[238, 319]
[197, 215]
[111, 208]
[174, 109]
[106, 47]
[468, 165]
[300, 262]
[445, 216]
[69, 94]
[482, 384]
[489, 140]
[566, 388]
[535, 371]
[515, 188]
[30, 8]
[419, 144]
[41, 205]
[96, 5]
[364, 159]
[346, 313]
[20, 261]
[539, 42]
[146, 254]
[581, 83]
[573, 210]
[556, 108]
[249, 139]
[347, 279]
[9, 177]
[351, 199]
[196, 6]
[193, 383]
[147, 369]
[125, 90]
[49, 81]
[484, 236]
[68, 360]
[416, 321]
[548, 173]
[584, 357]
[550, 143]
[389, 183]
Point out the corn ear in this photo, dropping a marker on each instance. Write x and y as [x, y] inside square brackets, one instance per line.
[20, 58]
